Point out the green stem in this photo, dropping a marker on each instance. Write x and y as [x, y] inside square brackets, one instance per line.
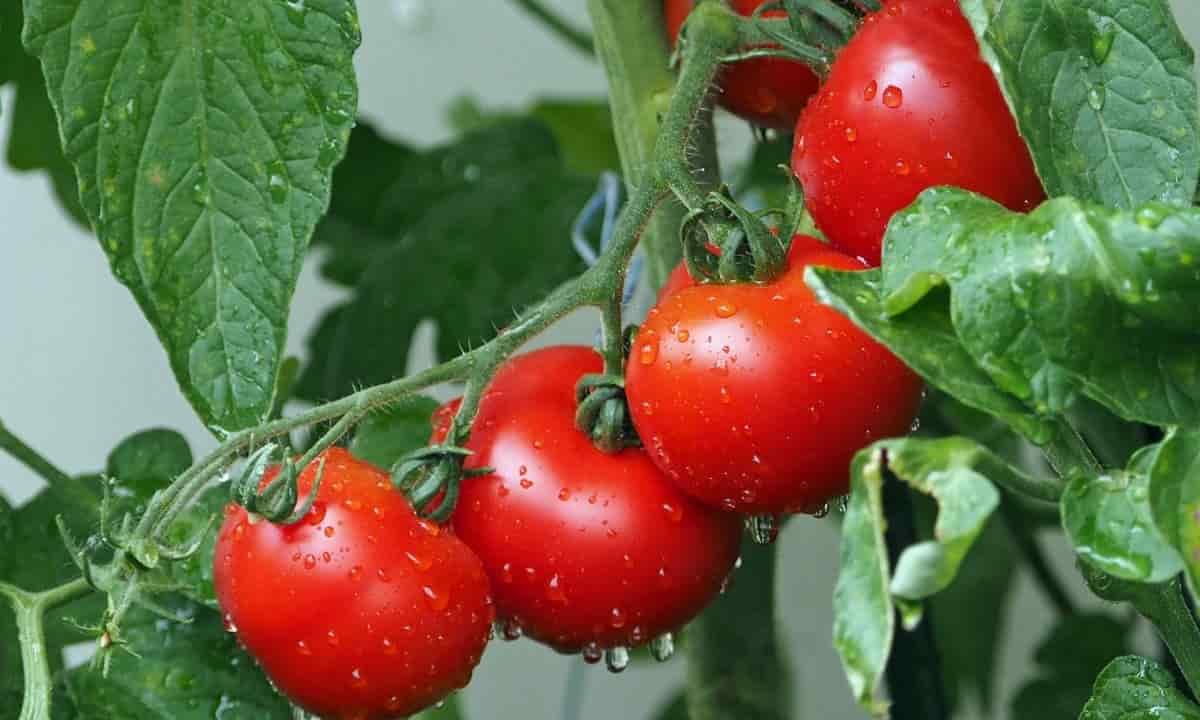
[737, 669]
[1164, 605]
[633, 47]
[30, 609]
[1069, 455]
[572, 35]
[31, 458]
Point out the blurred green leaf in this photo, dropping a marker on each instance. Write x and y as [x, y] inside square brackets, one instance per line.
[1109, 521]
[33, 142]
[475, 231]
[955, 471]
[203, 139]
[177, 671]
[389, 434]
[581, 127]
[1103, 92]
[149, 460]
[674, 709]
[1134, 688]
[1068, 659]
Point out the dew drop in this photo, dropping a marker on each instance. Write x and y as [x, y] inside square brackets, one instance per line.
[616, 659]
[564, 494]
[893, 97]
[510, 630]
[851, 135]
[303, 648]
[310, 561]
[420, 563]
[526, 483]
[554, 591]
[674, 512]
[763, 528]
[389, 646]
[1096, 97]
[332, 639]
[821, 511]
[618, 619]
[648, 353]
[228, 624]
[592, 653]
[683, 336]
[357, 681]
[870, 91]
[901, 168]
[437, 601]
[663, 647]
[726, 310]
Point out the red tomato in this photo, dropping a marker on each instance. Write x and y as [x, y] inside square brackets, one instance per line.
[909, 104]
[769, 92]
[755, 397]
[361, 610]
[586, 551]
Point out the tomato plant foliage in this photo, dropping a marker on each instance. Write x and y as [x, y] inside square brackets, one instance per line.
[211, 144]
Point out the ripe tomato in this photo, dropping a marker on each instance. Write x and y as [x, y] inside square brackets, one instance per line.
[585, 551]
[909, 104]
[360, 610]
[769, 92]
[755, 397]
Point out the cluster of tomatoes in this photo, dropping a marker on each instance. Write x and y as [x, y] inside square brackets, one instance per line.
[749, 399]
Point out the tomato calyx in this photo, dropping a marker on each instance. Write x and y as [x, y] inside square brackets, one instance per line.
[275, 502]
[431, 477]
[603, 413]
[725, 243]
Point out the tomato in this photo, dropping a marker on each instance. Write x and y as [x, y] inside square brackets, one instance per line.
[360, 610]
[909, 104]
[769, 92]
[585, 551]
[755, 398]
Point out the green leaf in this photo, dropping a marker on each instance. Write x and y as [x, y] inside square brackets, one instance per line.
[1109, 521]
[1103, 92]
[387, 435]
[1070, 300]
[203, 137]
[177, 671]
[149, 460]
[1136, 688]
[925, 340]
[475, 231]
[955, 471]
[33, 139]
[1068, 659]
[1174, 468]
[582, 128]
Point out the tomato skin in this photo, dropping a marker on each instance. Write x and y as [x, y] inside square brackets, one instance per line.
[769, 92]
[909, 105]
[755, 398]
[361, 610]
[583, 549]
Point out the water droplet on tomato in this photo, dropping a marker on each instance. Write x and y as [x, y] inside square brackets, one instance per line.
[851, 135]
[592, 653]
[726, 310]
[663, 647]
[356, 572]
[763, 528]
[510, 629]
[303, 648]
[618, 618]
[870, 91]
[674, 512]
[357, 681]
[438, 601]
[564, 494]
[506, 573]
[332, 639]
[648, 353]
[554, 590]
[821, 511]
[893, 97]
[228, 624]
[522, 470]
[383, 576]
[526, 483]
[616, 659]
[430, 528]
[310, 561]
[420, 563]
[352, 504]
[726, 398]
[901, 168]
[329, 531]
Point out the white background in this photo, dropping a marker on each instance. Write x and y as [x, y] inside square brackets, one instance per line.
[80, 368]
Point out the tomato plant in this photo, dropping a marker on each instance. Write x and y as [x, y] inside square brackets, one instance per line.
[994, 208]
[908, 105]
[754, 398]
[585, 551]
[360, 609]
[769, 92]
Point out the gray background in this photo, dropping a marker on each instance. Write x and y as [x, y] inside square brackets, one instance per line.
[81, 369]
